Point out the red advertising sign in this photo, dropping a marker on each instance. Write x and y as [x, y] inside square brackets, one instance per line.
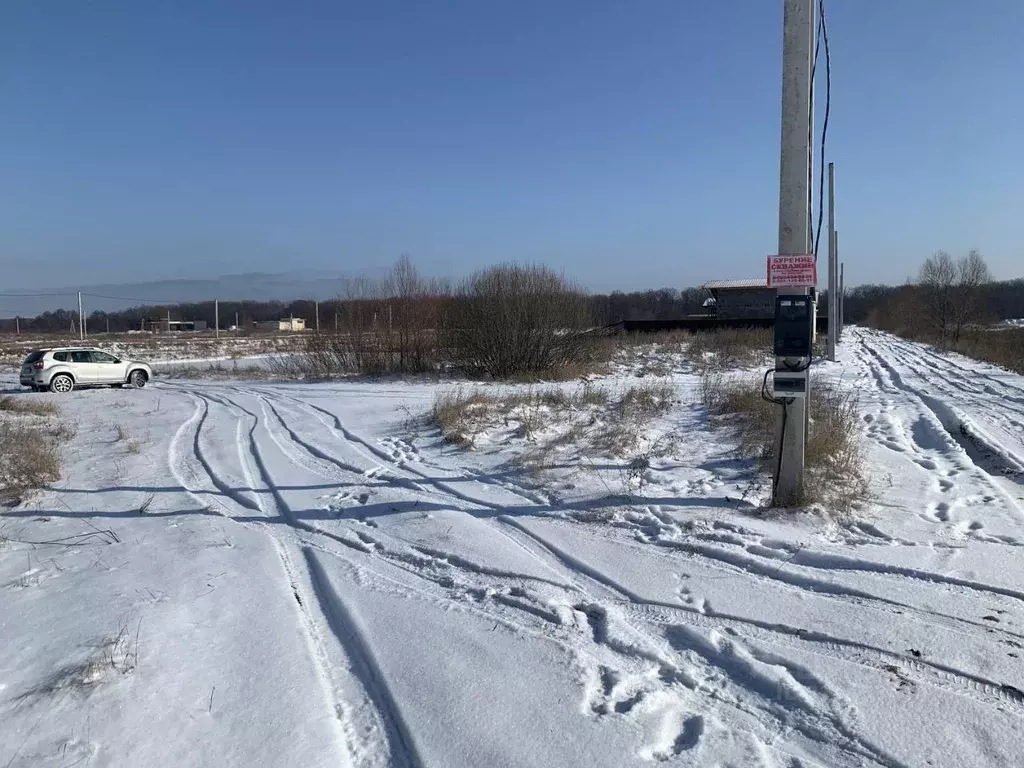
[799, 271]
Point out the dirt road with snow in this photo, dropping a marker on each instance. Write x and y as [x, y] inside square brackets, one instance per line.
[292, 574]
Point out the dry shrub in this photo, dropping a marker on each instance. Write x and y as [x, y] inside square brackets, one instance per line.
[27, 405]
[461, 415]
[730, 347]
[456, 412]
[646, 400]
[514, 320]
[591, 395]
[29, 459]
[834, 468]
[632, 413]
[1003, 347]
[711, 386]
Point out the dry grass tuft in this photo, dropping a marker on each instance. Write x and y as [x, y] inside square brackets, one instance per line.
[647, 400]
[558, 423]
[27, 405]
[835, 474]
[730, 347]
[29, 459]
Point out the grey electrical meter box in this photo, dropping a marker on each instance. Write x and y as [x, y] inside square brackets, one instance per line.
[794, 326]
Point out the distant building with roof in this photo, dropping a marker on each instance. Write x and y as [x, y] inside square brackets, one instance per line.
[745, 299]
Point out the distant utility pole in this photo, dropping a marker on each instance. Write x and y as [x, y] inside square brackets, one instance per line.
[168, 320]
[794, 227]
[833, 282]
[842, 293]
[17, 324]
[316, 309]
[81, 319]
[216, 318]
[108, 325]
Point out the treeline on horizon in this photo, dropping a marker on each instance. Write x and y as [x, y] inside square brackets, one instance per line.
[1000, 299]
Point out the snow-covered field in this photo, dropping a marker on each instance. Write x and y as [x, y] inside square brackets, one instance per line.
[306, 575]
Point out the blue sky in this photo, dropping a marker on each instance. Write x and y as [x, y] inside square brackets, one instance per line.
[631, 144]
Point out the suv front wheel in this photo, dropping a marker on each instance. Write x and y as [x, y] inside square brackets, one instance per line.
[62, 383]
[138, 379]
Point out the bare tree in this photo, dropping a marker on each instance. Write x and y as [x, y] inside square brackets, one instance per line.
[972, 274]
[937, 279]
[950, 293]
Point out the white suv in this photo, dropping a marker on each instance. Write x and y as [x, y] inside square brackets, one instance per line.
[63, 369]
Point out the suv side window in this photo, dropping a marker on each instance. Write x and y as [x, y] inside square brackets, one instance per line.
[103, 357]
[78, 356]
[60, 357]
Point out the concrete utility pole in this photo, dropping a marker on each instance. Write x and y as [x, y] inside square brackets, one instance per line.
[842, 293]
[794, 227]
[216, 318]
[833, 283]
[81, 319]
[316, 309]
[108, 325]
[17, 325]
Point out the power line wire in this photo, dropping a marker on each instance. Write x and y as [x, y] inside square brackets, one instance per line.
[823, 30]
[36, 295]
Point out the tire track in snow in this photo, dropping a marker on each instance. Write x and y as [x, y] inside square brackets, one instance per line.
[958, 680]
[434, 486]
[306, 622]
[822, 562]
[950, 424]
[985, 451]
[423, 562]
[364, 665]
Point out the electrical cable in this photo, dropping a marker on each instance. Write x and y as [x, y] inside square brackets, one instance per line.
[140, 301]
[823, 33]
[35, 295]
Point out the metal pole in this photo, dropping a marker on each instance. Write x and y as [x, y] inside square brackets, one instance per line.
[108, 325]
[833, 324]
[216, 318]
[794, 227]
[17, 325]
[316, 306]
[81, 319]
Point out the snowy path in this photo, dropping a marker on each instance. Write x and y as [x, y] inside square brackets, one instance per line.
[316, 579]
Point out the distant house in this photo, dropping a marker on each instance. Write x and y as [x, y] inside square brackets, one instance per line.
[741, 299]
[166, 325]
[284, 324]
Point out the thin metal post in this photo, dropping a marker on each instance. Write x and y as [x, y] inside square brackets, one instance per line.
[17, 325]
[81, 319]
[833, 323]
[316, 306]
[794, 227]
[216, 318]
